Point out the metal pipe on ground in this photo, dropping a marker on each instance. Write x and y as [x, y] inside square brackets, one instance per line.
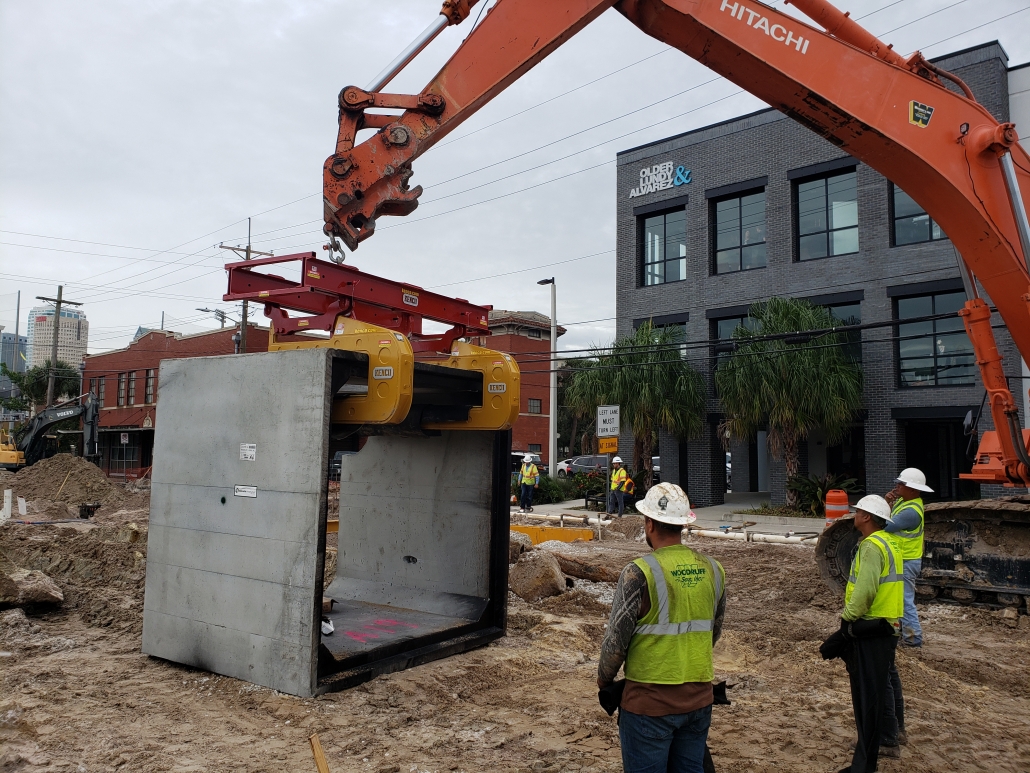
[750, 536]
[563, 518]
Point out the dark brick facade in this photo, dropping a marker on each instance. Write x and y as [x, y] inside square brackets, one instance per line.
[769, 145]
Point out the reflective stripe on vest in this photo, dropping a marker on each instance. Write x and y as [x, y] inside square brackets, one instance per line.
[666, 648]
[911, 545]
[890, 595]
[529, 473]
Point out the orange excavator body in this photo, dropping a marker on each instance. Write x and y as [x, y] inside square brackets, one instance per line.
[897, 115]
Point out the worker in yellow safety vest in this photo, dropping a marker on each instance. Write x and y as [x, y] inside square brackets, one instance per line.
[667, 614]
[617, 494]
[870, 627]
[529, 480]
[906, 500]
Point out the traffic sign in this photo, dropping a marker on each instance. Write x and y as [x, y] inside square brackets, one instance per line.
[607, 421]
[608, 445]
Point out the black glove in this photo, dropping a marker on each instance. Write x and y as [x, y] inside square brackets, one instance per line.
[611, 696]
[835, 645]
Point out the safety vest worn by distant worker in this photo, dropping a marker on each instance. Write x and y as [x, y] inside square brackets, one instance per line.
[910, 540]
[619, 479]
[890, 596]
[530, 474]
[672, 643]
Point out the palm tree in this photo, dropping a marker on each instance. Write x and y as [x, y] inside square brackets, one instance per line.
[33, 383]
[646, 376]
[792, 382]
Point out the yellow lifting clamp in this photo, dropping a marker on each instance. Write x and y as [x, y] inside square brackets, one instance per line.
[501, 378]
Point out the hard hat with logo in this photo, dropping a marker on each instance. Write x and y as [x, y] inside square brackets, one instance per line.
[527, 458]
[667, 503]
[617, 460]
[875, 505]
[913, 478]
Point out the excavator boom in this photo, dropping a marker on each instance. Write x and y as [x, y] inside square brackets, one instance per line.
[918, 126]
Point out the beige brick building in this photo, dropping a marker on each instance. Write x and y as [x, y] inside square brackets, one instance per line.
[72, 336]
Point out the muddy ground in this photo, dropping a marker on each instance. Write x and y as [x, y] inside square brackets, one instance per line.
[76, 694]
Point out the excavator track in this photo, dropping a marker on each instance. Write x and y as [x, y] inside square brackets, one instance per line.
[977, 553]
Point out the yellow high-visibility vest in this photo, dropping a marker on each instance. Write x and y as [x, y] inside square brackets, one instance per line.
[890, 596]
[618, 476]
[672, 643]
[529, 473]
[910, 540]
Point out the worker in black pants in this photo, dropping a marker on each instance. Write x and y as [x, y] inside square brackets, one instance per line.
[894, 707]
[874, 601]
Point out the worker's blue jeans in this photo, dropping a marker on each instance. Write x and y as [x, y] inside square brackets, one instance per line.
[616, 499]
[673, 743]
[526, 501]
[911, 631]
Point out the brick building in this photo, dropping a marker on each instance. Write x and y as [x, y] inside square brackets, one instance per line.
[526, 335]
[759, 206]
[125, 382]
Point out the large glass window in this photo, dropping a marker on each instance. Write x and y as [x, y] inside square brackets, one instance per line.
[101, 391]
[121, 388]
[149, 392]
[723, 330]
[132, 388]
[911, 224]
[934, 352]
[850, 314]
[739, 233]
[827, 216]
[665, 247]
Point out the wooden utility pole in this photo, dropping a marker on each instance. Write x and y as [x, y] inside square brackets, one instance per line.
[59, 301]
[246, 253]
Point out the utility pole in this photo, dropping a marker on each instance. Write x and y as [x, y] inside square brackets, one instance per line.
[552, 420]
[59, 301]
[246, 253]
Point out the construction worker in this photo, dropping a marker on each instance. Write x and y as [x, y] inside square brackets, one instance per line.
[618, 487]
[906, 500]
[874, 600]
[529, 477]
[666, 615]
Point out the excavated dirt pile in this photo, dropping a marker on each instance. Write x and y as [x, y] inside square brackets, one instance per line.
[65, 478]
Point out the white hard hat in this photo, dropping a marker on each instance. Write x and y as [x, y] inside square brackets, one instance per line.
[913, 478]
[667, 503]
[527, 458]
[617, 460]
[875, 505]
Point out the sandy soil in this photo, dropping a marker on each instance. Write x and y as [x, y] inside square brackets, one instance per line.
[76, 694]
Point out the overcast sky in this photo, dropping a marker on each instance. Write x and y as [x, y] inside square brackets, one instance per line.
[135, 135]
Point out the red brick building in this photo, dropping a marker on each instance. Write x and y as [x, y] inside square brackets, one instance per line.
[527, 336]
[125, 382]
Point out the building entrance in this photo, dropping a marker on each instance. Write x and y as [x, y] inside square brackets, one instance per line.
[938, 448]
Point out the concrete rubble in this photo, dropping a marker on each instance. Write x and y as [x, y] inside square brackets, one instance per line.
[536, 575]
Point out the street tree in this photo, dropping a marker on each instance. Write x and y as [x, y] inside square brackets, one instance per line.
[789, 381]
[646, 375]
[33, 383]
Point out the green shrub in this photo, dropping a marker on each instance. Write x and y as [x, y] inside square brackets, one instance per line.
[551, 490]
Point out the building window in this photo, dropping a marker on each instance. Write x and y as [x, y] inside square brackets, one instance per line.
[738, 233]
[850, 314]
[121, 389]
[132, 388]
[664, 256]
[534, 448]
[101, 383]
[93, 385]
[149, 390]
[934, 352]
[535, 405]
[723, 332]
[827, 216]
[533, 333]
[911, 224]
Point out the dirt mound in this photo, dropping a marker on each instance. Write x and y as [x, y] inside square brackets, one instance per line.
[66, 478]
[100, 569]
[629, 526]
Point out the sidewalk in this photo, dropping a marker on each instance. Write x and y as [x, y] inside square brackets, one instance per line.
[710, 517]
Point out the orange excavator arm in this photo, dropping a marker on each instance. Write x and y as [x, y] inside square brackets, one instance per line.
[895, 114]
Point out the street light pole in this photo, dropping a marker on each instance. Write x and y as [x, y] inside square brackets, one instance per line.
[552, 423]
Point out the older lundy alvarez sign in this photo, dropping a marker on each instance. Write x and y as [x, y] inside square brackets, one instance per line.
[659, 178]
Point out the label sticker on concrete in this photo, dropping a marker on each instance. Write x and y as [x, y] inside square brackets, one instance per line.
[496, 388]
[248, 452]
[381, 374]
[245, 491]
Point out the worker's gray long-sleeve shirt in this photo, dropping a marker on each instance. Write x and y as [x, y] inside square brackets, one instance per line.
[906, 520]
[626, 608]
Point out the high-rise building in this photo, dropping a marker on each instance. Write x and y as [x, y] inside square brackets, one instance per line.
[13, 355]
[72, 335]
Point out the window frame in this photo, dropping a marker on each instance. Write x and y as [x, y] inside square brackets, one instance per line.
[122, 379]
[796, 235]
[539, 405]
[148, 388]
[534, 332]
[535, 448]
[892, 218]
[131, 395]
[642, 247]
[898, 359]
[713, 245]
[101, 390]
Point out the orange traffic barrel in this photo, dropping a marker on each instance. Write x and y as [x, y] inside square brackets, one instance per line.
[836, 505]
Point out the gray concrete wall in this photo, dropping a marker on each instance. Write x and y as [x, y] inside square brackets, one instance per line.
[233, 581]
[433, 506]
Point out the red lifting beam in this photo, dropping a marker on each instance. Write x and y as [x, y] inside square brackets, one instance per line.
[327, 290]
